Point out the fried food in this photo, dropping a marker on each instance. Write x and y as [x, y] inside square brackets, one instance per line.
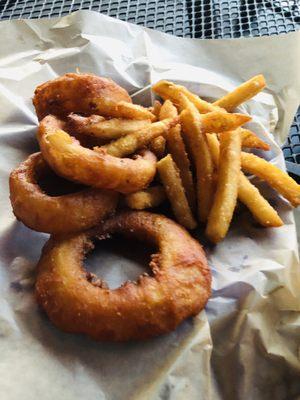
[242, 93]
[260, 208]
[98, 127]
[130, 143]
[122, 109]
[178, 152]
[98, 169]
[170, 91]
[197, 143]
[274, 176]
[248, 194]
[59, 214]
[225, 199]
[158, 146]
[148, 198]
[179, 288]
[172, 183]
[75, 93]
[250, 140]
[218, 121]
[156, 108]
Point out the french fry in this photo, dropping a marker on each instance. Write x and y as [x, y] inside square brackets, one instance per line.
[215, 121]
[168, 110]
[122, 109]
[260, 208]
[158, 146]
[274, 176]
[242, 93]
[225, 199]
[170, 91]
[218, 121]
[248, 194]
[110, 129]
[176, 147]
[128, 144]
[197, 143]
[171, 181]
[148, 198]
[214, 147]
[250, 140]
[156, 108]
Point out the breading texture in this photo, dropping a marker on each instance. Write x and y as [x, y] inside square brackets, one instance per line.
[179, 287]
[75, 93]
[59, 214]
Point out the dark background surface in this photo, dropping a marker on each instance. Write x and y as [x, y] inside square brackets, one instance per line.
[210, 19]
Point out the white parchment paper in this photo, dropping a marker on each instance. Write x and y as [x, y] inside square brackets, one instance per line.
[246, 345]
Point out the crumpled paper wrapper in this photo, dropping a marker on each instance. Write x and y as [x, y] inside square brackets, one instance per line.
[245, 345]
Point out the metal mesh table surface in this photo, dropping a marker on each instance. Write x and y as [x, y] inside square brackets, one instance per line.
[196, 19]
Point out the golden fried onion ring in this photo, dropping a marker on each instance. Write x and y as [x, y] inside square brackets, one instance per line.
[179, 288]
[55, 214]
[98, 169]
[75, 93]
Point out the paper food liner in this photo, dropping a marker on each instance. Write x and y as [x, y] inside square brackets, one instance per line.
[245, 345]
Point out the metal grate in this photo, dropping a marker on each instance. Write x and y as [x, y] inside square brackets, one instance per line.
[195, 18]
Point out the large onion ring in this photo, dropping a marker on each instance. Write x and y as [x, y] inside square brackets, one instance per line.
[74, 93]
[59, 214]
[179, 288]
[72, 161]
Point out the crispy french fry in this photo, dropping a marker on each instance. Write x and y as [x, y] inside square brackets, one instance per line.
[225, 199]
[218, 121]
[250, 140]
[148, 198]
[178, 152]
[122, 109]
[110, 129]
[260, 208]
[242, 93]
[214, 147]
[274, 176]
[156, 108]
[248, 194]
[168, 110]
[177, 149]
[197, 143]
[170, 178]
[128, 144]
[158, 146]
[169, 90]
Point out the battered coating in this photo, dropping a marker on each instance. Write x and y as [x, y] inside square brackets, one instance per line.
[75, 93]
[70, 160]
[55, 214]
[179, 288]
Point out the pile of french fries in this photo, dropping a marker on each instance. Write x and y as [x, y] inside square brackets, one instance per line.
[201, 162]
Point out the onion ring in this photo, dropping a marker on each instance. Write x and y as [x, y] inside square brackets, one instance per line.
[98, 169]
[179, 288]
[75, 93]
[55, 214]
